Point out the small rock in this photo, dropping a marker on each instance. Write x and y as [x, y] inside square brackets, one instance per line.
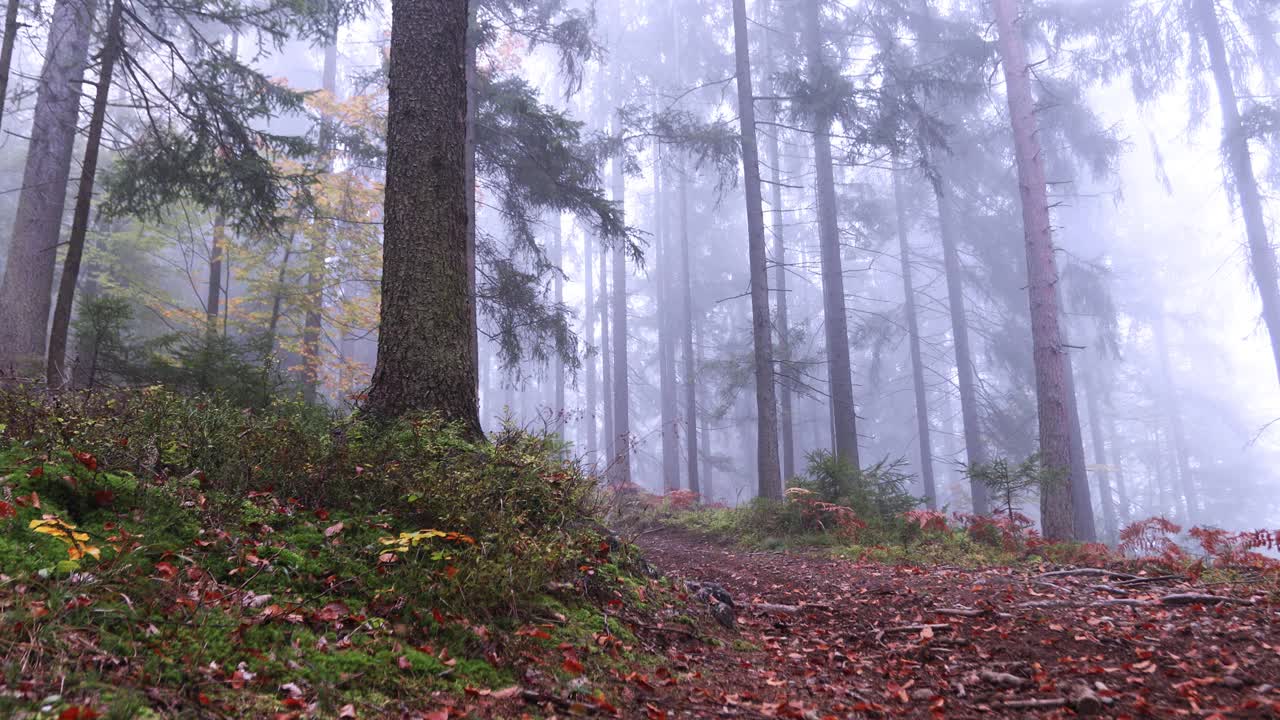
[1232, 682]
[922, 694]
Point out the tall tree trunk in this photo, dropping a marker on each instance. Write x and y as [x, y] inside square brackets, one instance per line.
[975, 451]
[1056, 505]
[25, 294]
[589, 333]
[786, 425]
[6, 50]
[1100, 457]
[769, 482]
[55, 370]
[1122, 490]
[1235, 140]
[313, 324]
[913, 337]
[277, 296]
[621, 380]
[606, 363]
[666, 343]
[688, 358]
[705, 477]
[1173, 413]
[835, 318]
[473, 212]
[557, 249]
[1081, 497]
[213, 296]
[426, 359]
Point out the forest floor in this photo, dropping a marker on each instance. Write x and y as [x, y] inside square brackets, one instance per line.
[819, 637]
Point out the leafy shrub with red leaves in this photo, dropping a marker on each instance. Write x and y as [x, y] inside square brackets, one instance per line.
[681, 499]
[1013, 532]
[1226, 549]
[1150, 537]
[821, 516]
[926, 520]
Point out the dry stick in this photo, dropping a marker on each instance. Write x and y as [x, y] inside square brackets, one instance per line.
[970, 613]
[1004, 679]
[1145, 580]
[1088, 571]
[1033, 704]
[917, 628]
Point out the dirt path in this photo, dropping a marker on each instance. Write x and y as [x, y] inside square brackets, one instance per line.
[873, 641]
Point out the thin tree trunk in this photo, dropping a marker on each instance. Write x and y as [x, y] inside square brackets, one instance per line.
[689, 359]
[213, 298]
[606, 363]
[277, 298]
[1122, 489]
[1262, 257]
[621, 380]
[426, 359]
[6, 50]
[835, 318]
[913, 337]
[1100, 458]
[313, 325]
[1081, 498]
[786, 424]
[557, 248]
[666, 343]
[769, 482]
[55, 370]
[704, 443]
[1173, 412]
[975, 450]
[589, 334]
[26, 292]
[1056, 505]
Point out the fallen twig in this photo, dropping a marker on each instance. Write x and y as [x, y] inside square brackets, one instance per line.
[1088, 571]
[917, 628]
[1035, 703]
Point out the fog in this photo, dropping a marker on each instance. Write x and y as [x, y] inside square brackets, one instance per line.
[1175, 381]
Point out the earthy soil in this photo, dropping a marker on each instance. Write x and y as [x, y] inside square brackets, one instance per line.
[871, 640]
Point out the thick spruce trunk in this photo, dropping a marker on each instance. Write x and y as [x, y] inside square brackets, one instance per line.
[56, 371]
[26, 291]
[426, 359]
[1052, 389]
[769, 481]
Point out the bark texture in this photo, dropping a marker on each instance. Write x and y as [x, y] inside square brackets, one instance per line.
[768, 479]
[6, 50]
[427, 333]
[1100, 459]
[1052, 401]
[835, 317]
[25, 294]
[56, 370]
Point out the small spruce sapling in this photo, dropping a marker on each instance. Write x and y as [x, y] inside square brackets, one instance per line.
[1009, 484]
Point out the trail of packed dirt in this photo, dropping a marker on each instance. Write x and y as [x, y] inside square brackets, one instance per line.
[817, 637]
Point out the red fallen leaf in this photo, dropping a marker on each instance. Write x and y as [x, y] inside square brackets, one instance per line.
[333, 529]
[203, 699]
[166, 571]
[441, 714]
[123, 442]
[7, 510]
[32, 500]
[654, 713]
[295, 703]
[104, 498]
[36, 472]
[571, 665]
[404, 663]
[347, 711]
[238, 679]
[78, 712]
[87, 460]
[450, 570]
[439, 617]
[322, 514]
[506, 693]
[331, 612]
